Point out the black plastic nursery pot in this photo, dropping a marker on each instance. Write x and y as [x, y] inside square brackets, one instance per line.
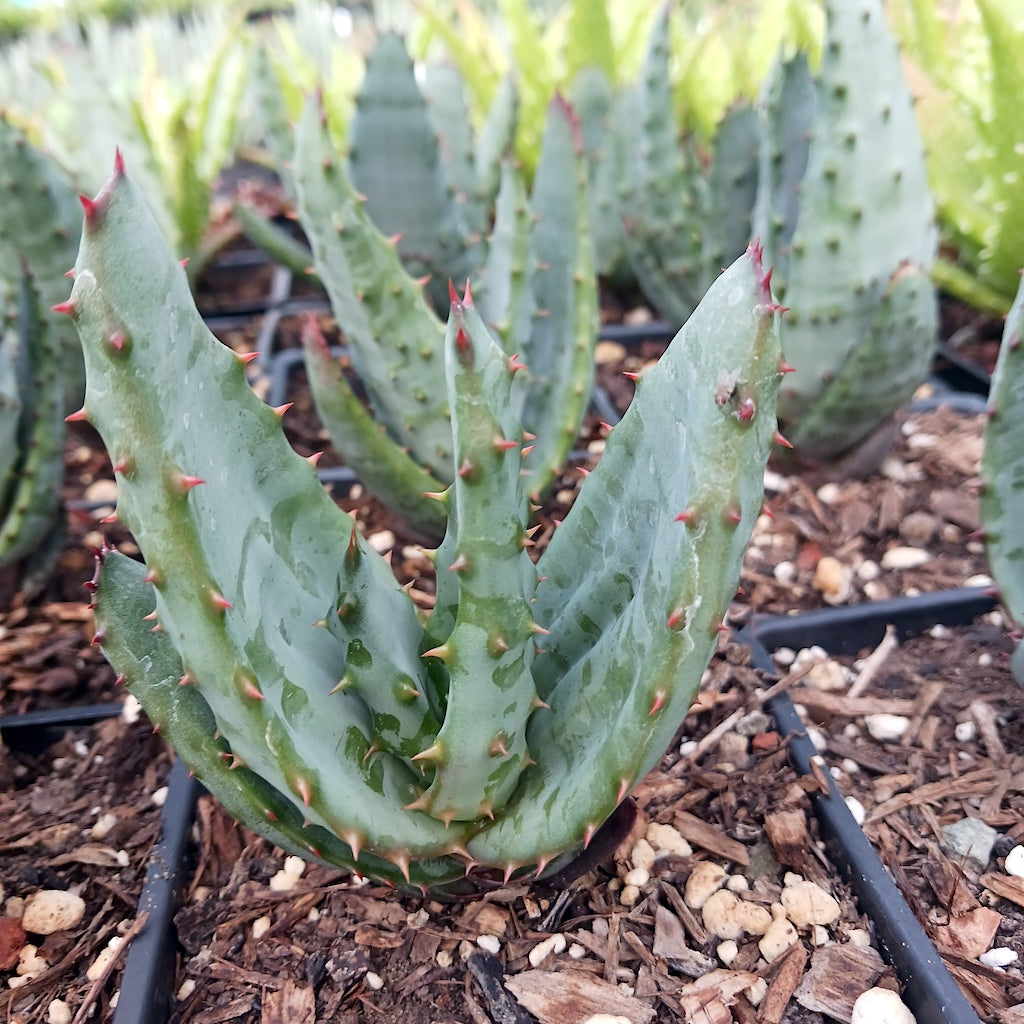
[929, 989]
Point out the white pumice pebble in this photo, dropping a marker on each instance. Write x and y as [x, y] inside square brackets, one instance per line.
[552, 945]
[629, 895]
[880, 1006]
[998, 957]
[261, 926]
[58, 1012]
[642, 855]
[849, 766]
[606, 1018]
[984, 659]
[1013, 864]
[778, 937]
[185, 989]
[382, 541]
[965, 731]
[374, 982]
[784, 572]
[159, 796]
[638, 877]
[886, 728]
[99, 967]
[489, 943]
[807, 903]
[784, 656]
[443, 958]
[856, 809]
[901, 557]
[737, 883]
[705, 879]
[939, 632]
[727, 951]
[818, 738]
[756, 991]
[859, 937]
[868, 570]
[828, 493]
[103, 826]
[131, 709]
[52, 910]
[577, 952]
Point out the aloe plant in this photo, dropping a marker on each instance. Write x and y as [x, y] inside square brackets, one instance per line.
[31, 440]
[537, 288]
[291, 670]
[1001, 499]
[845, 211]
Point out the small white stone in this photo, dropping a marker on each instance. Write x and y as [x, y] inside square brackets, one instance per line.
[859, 937]
[1012, 865]
[629, 895]
[784, 572]
[101, 965]
[784, 656]
[818, 738]
[756, 991]
[828, 493]
[103, 491]
[374, 981]
[880, 1006]
[638, 877]
[886, 728]
[667, 840]
[261, 926]
[103, 825]
[705, 879]
[30, 963]
[729, 917]
[856, 809]
[283, 881]
[552, 945]
[52, 910]
[737, 883]
[849, 766]
[819, 935]
[185, 989]
[642, 855]
[827, 675]
[489, 943]
[577, 952]
[383, 540]
[965, 731]
[998, 957]
[939, 632]
[443, 958]
[807, 903]
[159, 796]
[978, 580]
[984, 659]
[778, 937]
[606, 1018]
[687, 747]
[58, 1012]
[727, 951]
[832, 580]
[901, 557]
[868, 570]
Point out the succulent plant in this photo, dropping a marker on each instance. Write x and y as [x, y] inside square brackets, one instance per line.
[286, 663]
[845, 211]
[1001, 500]
[537, 289]
[31, 441]
[685, 211]
[39, 229]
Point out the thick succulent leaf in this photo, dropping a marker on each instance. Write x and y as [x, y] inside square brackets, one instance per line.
[631, 593]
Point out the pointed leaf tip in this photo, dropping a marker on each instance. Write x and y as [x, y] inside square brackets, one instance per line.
[119, 163]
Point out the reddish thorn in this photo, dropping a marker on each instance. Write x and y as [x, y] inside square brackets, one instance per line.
[467, 298]
[607, 426]
[314, 458]
[526, 451]
[122, 465]
[732, 514]
[184, 262]
[721, 627]
[688, 516]
[779, 439]
[461, 340]
[784, 367]
[676, 618]
[187, 482]
[775, 307]
[768, 278]
[118, 162]
[466, 469]
[280, 410]
[112, 518]
[98, 638]
[588, 834]
[453, 295]
[583, 471]
[395, 238]
[657, 704]
[67, 308]
[304, 790]
[77, 417]
[632, 376]
[121, 679]
[69, 273]
[745, 411]
[91, 208]
[766, 511]
[623, 790]
[271, 816]
[420, 282]
[218, 600]
[505, 445]
[514, 364]
[461, 563]
[247, 357]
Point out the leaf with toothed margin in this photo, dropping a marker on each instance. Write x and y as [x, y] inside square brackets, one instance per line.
[388, 470]
[1001, 500]
[480, 749]
[152, 670]
[632, 598]
[261, 532]
[395, 339]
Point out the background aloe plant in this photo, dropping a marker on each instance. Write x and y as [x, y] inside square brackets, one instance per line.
[1001, 500]
[295, 675]
[844, 209]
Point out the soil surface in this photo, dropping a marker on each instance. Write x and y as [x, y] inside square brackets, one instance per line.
[629, 937]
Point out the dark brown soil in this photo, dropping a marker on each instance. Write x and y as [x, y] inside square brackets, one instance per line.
[333, 949]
